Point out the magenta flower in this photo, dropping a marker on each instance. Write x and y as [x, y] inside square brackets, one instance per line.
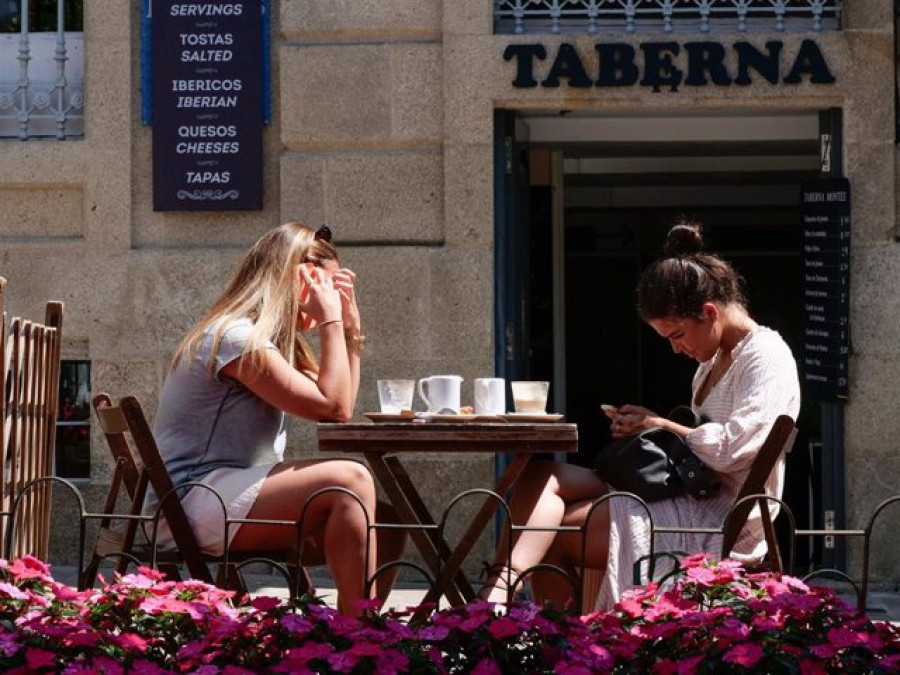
[746, 654]
[39, 658]
[265, 603]
[486, 667]
[503, 628]
[342, 662]
[689, 666]
[392, 661]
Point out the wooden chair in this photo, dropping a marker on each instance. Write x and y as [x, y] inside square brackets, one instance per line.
[136, 474]
[779, 440]
[29, 394]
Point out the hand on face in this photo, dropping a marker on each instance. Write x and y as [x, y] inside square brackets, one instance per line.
[320, 301]
[345, 282]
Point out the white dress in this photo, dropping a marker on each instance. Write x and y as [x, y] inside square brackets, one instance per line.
[740, 409]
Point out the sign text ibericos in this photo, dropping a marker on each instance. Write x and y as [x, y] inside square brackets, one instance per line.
[207, 105]
[667, 65]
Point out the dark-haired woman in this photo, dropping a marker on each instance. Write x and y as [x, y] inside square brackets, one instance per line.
[747, 377]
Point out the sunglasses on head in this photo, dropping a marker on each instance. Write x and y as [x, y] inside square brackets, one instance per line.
[323, 234]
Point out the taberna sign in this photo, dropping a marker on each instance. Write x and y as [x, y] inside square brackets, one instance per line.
[667, 65]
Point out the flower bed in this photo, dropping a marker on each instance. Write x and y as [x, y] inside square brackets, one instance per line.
[716, 618]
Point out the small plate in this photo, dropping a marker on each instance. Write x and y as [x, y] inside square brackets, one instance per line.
[532, 417]
[406, 416]
[438, 417]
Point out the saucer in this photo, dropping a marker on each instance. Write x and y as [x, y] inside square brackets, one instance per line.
[405, 416]
[532, 417]
[439, 417]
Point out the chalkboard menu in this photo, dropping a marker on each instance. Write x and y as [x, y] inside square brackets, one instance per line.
[207, 112]
[825, 207]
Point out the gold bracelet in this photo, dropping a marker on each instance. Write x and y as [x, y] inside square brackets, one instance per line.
[356, 344]
[325, 323]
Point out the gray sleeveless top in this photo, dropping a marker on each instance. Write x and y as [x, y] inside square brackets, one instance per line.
[208, 421]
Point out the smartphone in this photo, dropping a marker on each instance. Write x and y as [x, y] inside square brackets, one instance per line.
[609, 410]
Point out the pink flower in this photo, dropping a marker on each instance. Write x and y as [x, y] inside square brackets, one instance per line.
[147, 668]
[503, 628]
[39, 658]
[29, 567]
[342, 662]
[689, 666]
[131, 642]
[11, 591]
[434, 633]
[732, 629]
[746, 654]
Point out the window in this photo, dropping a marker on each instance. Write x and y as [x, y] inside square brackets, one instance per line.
[41, 16]
[41, 69]
[73, 425]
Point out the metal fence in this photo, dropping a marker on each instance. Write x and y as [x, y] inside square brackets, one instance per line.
[657, 565]
[41, 80]
[645, 16]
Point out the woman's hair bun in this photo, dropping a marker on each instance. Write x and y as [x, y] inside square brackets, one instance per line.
[684, 239]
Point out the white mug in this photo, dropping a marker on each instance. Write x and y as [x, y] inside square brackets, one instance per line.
[440, 392]
[490, 396]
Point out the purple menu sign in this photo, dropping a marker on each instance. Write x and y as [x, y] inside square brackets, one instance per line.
[207, 115]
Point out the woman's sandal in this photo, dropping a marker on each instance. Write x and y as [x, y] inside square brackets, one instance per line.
[499, 576]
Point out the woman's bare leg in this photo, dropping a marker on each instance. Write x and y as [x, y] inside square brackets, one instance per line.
[566, 553]
[540, 499]
[334, 518]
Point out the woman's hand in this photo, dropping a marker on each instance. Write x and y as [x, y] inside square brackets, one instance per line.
[345, 282]
[320, 301]
[633, 419]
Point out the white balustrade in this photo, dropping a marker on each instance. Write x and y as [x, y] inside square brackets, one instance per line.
[665, 16]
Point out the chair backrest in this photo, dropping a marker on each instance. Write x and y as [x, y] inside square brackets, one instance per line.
[780, 439]
[29, 394]
[162, 485]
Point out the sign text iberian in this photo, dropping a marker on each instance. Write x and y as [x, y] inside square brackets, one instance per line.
[668, 65]
[207, 105]
[825, 208]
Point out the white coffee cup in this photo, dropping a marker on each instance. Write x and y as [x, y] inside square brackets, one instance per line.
[395, 396]
[490, 396]
[530, 397]
[440, 392]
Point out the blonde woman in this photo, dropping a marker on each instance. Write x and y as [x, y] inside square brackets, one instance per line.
[221, 416]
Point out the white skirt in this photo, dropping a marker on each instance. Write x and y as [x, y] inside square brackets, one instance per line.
[238, 489]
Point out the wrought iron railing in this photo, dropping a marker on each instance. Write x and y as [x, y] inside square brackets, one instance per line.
[41, 80]
[636, 16]
[649, 566]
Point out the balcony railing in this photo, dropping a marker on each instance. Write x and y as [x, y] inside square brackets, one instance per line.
[666, 16]
[41, 79]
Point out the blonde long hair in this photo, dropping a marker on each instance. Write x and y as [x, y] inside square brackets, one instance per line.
[265, 289]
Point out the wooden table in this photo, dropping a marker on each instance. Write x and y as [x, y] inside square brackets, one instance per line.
[383, 443]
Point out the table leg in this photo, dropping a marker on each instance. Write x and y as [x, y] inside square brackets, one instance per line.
[459, 583]
[397, 490]
[479, 522]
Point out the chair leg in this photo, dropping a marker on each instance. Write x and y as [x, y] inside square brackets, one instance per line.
[230, 578]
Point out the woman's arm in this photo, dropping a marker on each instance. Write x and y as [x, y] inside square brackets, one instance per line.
[273, 379]
[345, 282]
[766, 386]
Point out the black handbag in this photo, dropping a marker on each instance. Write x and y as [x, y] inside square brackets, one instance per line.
[655, 464]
